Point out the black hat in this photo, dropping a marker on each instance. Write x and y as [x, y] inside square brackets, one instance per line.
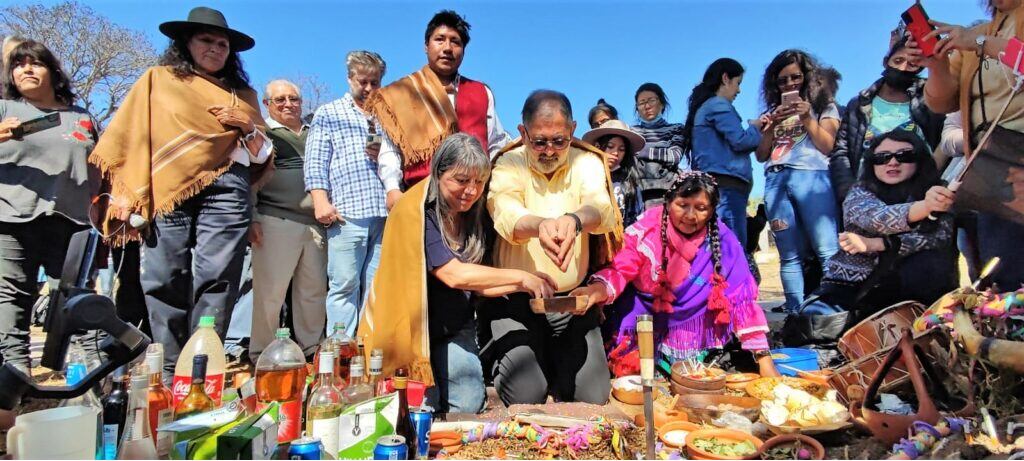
[201, 17]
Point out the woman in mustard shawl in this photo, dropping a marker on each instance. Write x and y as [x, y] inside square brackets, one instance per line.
[177, 156]
[419, 310]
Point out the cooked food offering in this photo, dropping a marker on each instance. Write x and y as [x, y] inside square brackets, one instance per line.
[741, 377]
[706, 374]
[724, 407]
[795, 407]
[725, 447]
[676, 438]
[763, 388]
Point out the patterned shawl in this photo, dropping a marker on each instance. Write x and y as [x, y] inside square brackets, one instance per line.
[416, 114]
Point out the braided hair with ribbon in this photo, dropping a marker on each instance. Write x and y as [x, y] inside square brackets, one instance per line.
[689, 184]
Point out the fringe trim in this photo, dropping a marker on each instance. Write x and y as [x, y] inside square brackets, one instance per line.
[421, 371]
[382, 109]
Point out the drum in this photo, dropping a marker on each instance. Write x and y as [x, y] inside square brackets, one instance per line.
[879, 332]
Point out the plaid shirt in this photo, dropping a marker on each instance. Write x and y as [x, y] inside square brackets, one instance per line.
[336, 160]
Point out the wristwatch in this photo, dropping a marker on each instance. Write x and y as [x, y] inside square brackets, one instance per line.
[579, 222]
[760, 354]
[980, 41]
[252, 135]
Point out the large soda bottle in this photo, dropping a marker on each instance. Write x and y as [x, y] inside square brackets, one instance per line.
[281, 377]
[203, 341]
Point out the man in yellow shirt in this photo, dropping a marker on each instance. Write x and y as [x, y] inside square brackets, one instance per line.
[547, 196]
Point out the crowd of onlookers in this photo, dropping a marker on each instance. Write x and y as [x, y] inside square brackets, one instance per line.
[407, 216]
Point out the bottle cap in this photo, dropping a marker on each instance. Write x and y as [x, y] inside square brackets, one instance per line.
[326, 362]
[154, 361]
[377, 352]
[283, 333]
[356, 369]
[206, 321]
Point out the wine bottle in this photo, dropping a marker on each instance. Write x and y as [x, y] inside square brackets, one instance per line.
[196, 401]
[403, 426]
[323, 407]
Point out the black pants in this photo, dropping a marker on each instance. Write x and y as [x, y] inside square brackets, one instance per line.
[193, 262]
[531, 355]
[24, 248]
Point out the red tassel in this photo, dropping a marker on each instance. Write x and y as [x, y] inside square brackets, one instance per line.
[626, 365]
[663, 298]
[718, 302]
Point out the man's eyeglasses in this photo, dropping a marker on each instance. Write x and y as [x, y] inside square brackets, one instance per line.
[791, 78]
[903, 156]
[281, 100]
[542, 144]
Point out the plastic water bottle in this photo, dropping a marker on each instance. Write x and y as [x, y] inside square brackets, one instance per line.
[76, 371]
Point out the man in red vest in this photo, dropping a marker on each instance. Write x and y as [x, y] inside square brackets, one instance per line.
[418, 111]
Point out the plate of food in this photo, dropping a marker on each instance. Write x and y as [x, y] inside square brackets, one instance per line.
[794, 410]
[763, 388]
[701, 378]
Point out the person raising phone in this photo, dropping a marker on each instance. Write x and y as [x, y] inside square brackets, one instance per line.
[795, 147]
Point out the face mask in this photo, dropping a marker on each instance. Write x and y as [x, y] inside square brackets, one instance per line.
[897, 79]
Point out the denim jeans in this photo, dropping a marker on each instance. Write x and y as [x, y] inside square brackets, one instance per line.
[1002, 238]
[353, 254]
[732, 208]
[457, 373]
[801, 211]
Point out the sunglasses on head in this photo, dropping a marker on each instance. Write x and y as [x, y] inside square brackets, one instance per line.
[902, 156]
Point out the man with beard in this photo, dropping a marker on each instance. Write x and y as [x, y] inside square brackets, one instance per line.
[551, 202]
[348, 198]
[896, 101]
[418, 111]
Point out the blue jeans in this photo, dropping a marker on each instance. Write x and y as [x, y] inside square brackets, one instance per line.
[353, 253]
[1002, 238]
[801, 211]
[457, 373]
[732, 208]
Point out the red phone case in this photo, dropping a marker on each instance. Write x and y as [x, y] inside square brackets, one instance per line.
[917, 23]
[1009, 56]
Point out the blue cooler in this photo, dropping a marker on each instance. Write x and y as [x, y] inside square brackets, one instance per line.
[794, 357]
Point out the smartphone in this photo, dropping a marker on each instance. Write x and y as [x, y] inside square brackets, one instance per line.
[918, 24]
[36, 125]
[790, 97]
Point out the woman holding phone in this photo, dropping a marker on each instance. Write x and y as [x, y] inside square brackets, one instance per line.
[795, 147]
[45, 184]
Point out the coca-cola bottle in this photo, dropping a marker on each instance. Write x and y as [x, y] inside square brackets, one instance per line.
[281, 377]
[204, 341]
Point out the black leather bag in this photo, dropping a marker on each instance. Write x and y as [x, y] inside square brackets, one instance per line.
[801, 330]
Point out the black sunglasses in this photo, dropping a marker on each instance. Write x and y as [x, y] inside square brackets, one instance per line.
[882, 158]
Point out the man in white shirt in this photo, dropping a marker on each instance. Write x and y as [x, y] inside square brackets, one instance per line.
[418, 111]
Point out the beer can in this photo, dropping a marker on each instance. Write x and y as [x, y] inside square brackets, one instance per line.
[391, 447]
[421, 419]
[305, 447]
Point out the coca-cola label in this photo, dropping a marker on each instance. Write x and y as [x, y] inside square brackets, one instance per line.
[214, 387]
[289, 420]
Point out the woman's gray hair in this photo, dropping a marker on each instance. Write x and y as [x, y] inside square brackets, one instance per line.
[365, 59]
[460, 152]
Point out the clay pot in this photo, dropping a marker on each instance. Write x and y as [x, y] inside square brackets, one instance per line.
[814, 446]
[662, 417]
[679, 389]
[675, 426]
[890, 428]
[697, 453]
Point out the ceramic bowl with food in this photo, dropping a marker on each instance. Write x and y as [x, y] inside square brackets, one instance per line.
[706, 408]
[628, 390]
[674, 434]
[721, 444]
[739, 381]
[706, 379]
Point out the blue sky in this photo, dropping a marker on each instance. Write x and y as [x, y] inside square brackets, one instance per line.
[587, 49]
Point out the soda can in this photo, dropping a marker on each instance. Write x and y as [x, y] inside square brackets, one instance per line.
[391, 447]
[421, 419]
[305, 447]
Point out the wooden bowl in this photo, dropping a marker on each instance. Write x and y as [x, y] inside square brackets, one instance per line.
[697, 453]
[814, 446]
[696, 406]
[663, 433]
[679, 376]
[739, 381]
[627, 390]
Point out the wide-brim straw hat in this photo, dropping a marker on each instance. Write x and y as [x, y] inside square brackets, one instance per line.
[616, 128]
[202, 17]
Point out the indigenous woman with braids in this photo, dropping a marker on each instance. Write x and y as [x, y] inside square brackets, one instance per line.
[682, 265]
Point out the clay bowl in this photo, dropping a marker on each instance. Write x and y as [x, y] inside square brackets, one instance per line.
[662, 416]
[679, 376]
[625, 390]
[697, 453]
[667, 439]
[814, 446]
[739, 381]
[696, 406]
[679, 389]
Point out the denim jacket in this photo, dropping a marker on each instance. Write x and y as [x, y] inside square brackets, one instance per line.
[720, 143]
